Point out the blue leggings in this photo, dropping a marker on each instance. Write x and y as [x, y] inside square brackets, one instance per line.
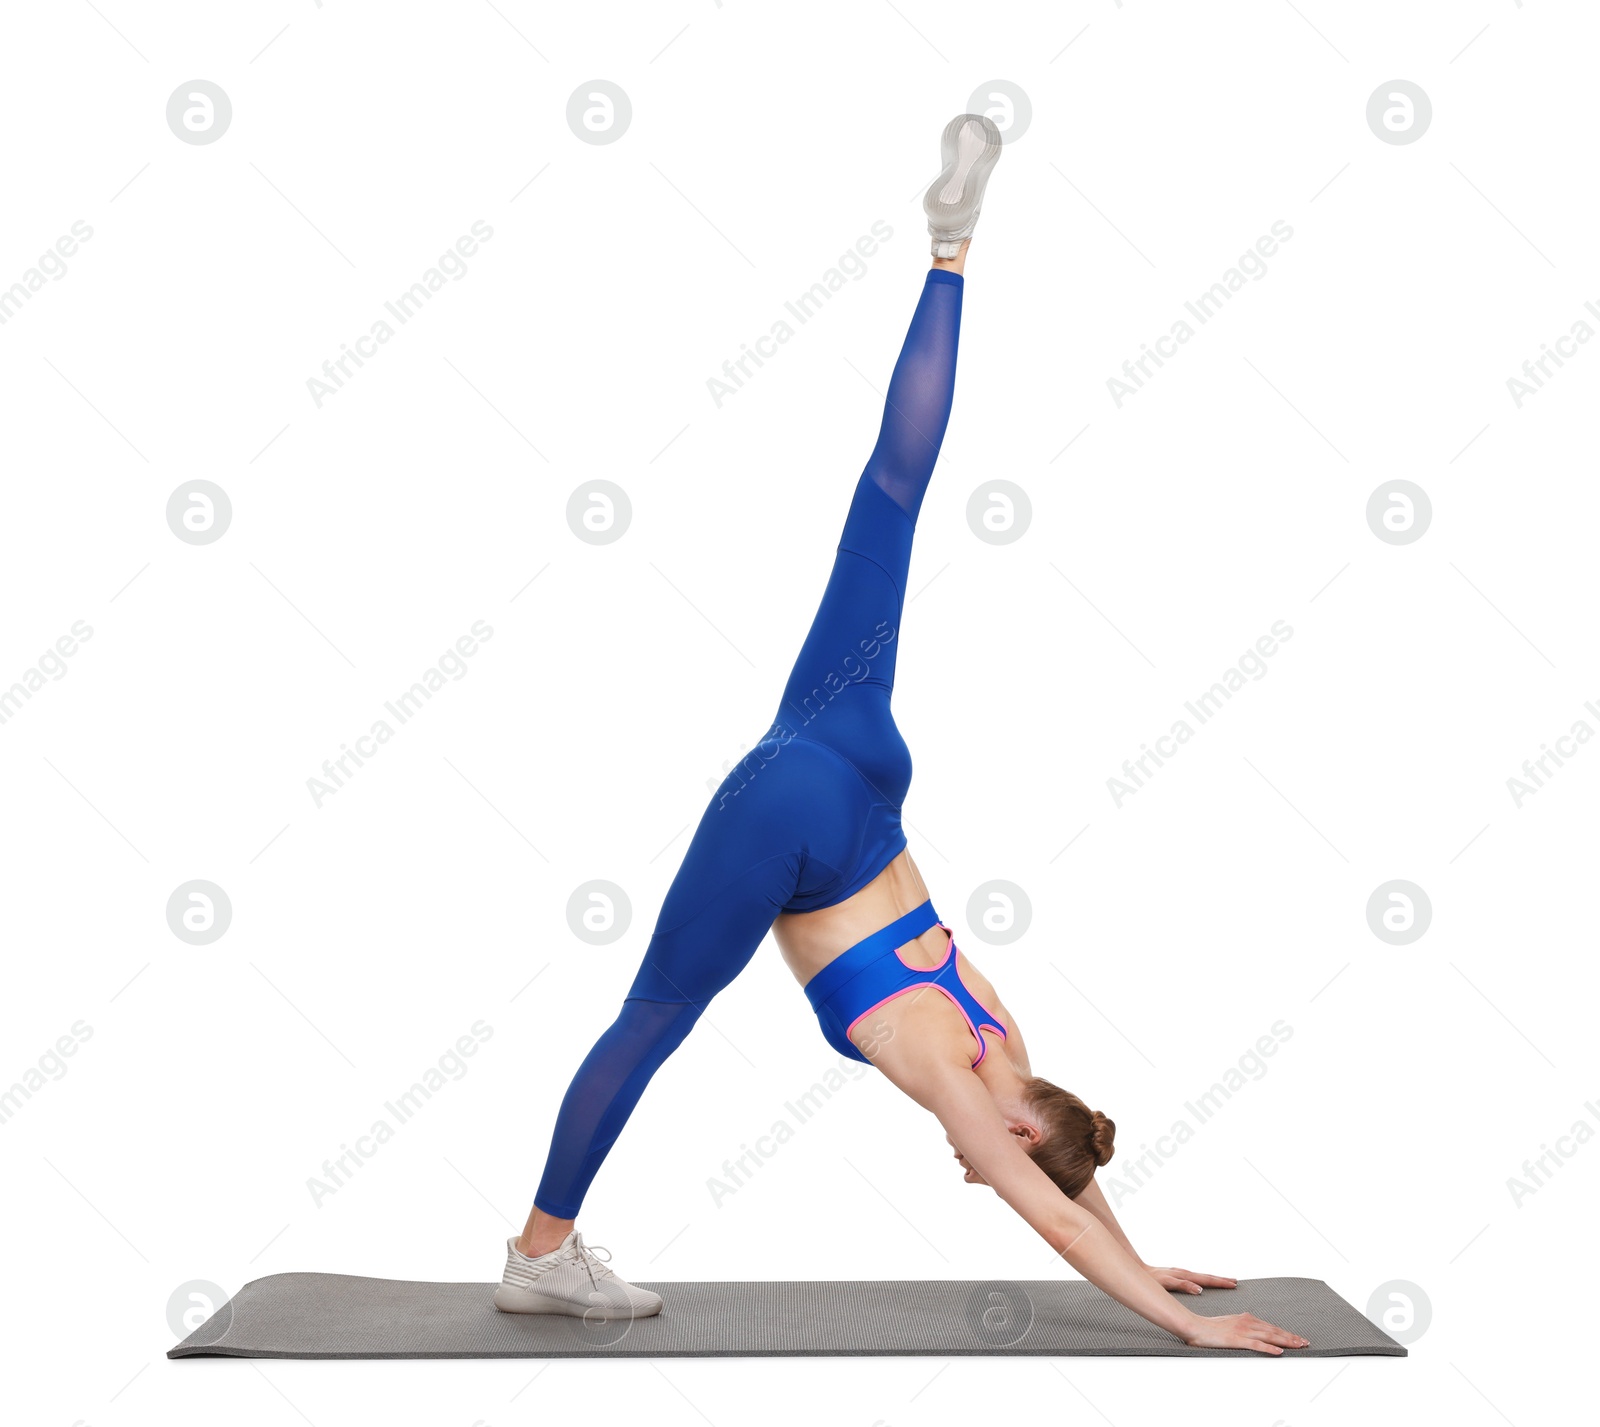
[812, 814]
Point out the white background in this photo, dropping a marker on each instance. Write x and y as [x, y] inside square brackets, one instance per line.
[369, 534]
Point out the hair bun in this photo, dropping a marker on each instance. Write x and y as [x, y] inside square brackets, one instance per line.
[1102, 1136]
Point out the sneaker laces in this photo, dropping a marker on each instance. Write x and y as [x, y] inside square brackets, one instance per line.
[589, 1256]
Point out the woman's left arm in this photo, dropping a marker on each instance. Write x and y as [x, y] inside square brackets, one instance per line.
[1179, 1280]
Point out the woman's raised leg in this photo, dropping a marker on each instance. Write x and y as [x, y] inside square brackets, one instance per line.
[846, 665]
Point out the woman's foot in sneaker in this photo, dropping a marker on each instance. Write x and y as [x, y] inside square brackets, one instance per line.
[571, 1280]
[970, 147]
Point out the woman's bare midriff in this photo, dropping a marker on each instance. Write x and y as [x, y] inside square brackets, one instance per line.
[810, 940]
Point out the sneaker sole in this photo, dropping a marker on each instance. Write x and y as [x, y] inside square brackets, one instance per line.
[955, 220]
[521, 1300]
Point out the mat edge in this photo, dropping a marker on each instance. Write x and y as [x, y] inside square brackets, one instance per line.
[1197, 1355]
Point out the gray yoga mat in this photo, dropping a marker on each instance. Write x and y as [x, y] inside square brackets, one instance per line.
[332, 1315]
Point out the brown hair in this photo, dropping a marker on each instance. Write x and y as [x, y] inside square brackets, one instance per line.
[1076, 1139]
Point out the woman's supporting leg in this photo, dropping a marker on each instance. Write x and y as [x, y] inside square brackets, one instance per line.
[597, 1105]
[719, 907]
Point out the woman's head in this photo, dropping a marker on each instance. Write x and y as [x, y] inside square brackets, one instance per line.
[1062, 1135]
[1073, 1141]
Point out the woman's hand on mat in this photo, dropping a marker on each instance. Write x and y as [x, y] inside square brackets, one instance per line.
[1182, 1280]
[1241, 1330]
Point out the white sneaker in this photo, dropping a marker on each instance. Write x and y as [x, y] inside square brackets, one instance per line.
[971, 148]
[572, 1280]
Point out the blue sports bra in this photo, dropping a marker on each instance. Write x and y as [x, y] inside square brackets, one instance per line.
[871, 973]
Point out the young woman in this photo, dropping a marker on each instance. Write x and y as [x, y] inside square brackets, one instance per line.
[804, 839]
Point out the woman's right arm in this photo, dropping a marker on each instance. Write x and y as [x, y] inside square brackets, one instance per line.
[974, 1124]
